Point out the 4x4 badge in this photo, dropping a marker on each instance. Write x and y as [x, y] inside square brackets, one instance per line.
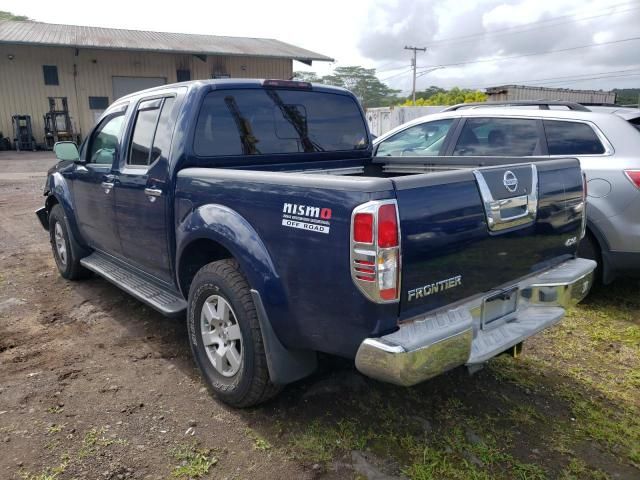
[510, 181]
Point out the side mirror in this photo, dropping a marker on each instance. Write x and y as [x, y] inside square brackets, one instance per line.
[67, 151]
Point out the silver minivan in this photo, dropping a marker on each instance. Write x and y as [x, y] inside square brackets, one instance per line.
[606, 140]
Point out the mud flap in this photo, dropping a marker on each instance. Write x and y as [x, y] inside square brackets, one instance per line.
[285, 365]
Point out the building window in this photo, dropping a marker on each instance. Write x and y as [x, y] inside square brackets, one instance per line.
[98, 103]
[50, 75]
[183, 75]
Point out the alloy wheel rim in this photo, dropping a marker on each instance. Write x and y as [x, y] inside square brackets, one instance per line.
[221, 335]
[61, 246]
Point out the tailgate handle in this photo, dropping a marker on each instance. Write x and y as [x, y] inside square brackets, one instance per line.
[509, 212]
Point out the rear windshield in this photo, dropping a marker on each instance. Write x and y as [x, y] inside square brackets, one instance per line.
[274, 121]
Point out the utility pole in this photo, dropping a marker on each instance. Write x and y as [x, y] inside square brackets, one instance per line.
[414, 65]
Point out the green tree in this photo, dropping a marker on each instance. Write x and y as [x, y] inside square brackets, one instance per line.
[361, 81]
[307, 77]
[10, 16]
[429, 92]
[627, 96]
[449, 97]
[364, 84]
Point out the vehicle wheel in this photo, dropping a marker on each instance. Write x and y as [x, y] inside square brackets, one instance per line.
[66, 251]
[590, 249]
[225, 336]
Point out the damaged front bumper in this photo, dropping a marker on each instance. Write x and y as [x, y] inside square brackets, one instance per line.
[43, 217]
[440, 341]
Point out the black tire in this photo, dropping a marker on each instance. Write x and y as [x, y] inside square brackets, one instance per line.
[251, 384]
[589, 248]
[69, 263]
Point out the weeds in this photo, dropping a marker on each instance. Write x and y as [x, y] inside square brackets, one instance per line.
[194, 462]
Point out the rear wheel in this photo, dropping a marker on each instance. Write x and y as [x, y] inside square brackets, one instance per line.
[590, 249]
[225, 335]
[66, 250]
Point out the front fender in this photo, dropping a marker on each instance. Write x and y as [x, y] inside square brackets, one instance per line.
[231, 230]
[58, 187]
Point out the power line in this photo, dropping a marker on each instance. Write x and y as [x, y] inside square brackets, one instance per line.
[533, 25]
[563, 79]
[518, 29]
[598, 78]
[548, 52]
[406, 70]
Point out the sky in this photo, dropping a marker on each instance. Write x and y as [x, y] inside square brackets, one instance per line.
[599, 40]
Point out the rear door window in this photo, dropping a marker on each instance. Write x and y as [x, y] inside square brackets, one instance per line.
[503, 137]
[143, 132]
[571, 138]
[276, 121]
[424, 140]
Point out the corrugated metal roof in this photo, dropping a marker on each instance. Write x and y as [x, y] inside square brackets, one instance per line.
[36, 33]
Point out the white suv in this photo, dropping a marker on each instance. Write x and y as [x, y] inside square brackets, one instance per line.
[606, 140]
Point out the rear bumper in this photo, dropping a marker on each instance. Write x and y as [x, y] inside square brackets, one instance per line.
[429, 346]
[43, 216]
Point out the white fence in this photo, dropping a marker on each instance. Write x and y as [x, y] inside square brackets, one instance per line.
[383, 119]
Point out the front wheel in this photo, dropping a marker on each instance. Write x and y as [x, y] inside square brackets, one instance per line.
[225, 335]
[66, 250]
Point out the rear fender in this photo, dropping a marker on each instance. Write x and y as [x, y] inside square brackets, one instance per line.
[228, 228]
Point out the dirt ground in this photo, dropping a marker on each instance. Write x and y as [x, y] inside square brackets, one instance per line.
[94, 385]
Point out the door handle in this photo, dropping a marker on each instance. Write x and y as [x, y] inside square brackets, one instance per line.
[108, 183]
[153, 192]
[108, 186]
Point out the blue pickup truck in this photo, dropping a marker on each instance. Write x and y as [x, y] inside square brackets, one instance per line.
[256, 209]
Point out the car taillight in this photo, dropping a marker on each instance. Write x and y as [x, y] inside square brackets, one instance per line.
[633, 176]
[375, 250]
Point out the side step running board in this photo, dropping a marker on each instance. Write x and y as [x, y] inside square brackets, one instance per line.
[145, 290]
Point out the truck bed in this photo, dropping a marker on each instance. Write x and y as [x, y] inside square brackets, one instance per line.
[445, 232]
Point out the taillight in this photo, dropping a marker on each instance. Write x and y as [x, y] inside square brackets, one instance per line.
[387, 226]
[634, 176]
[363, 228]
[375, 250]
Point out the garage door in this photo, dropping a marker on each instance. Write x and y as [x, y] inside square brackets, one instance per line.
[125, 85]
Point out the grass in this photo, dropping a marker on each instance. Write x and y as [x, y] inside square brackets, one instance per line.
[94, 439]
[52, 429]
[319, 441]
[259, 443]
[194, 462]
[49, 473]
[568, 409]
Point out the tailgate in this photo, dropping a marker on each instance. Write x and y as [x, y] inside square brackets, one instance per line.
[467, 232]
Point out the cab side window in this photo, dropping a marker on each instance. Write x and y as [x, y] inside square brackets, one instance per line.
[105, 140]
[424, 140]
[504, 137]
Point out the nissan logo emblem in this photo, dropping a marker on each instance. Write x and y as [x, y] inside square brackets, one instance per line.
[510, 181]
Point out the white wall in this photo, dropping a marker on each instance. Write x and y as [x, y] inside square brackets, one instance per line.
[383, 119]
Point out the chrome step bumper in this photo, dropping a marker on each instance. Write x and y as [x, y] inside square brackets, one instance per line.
[429, 346]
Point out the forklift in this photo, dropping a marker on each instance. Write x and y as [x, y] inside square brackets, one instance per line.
[23, 133]
[57, 122]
